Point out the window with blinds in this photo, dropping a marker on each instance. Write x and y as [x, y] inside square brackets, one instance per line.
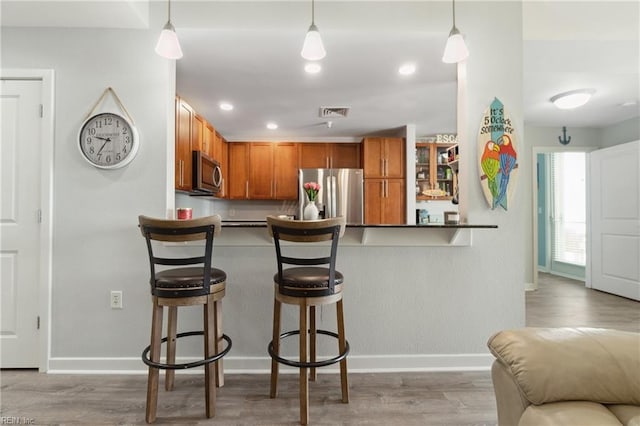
[568, 196]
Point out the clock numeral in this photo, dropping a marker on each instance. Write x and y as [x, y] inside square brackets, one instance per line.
[92, 132]
[89, 140]
[108, 159]
[124, 149]
[118, 157]
[92, 150]
[108, 121]
[127, 139]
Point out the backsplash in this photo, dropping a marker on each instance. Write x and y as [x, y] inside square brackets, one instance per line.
[235, 209]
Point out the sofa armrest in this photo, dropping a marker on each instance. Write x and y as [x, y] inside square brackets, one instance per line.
[564, 364]
[510, 400]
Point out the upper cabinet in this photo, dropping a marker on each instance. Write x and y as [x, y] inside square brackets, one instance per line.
[329, 155]
[263, 171]
[383, 157]
[184, 117]
[435, 176]
[195, 133]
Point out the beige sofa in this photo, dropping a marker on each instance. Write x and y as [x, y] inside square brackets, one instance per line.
[566, 376]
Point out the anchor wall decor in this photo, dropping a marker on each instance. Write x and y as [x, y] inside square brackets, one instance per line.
[564, 140]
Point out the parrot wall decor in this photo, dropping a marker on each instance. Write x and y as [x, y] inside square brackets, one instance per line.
[498, 158]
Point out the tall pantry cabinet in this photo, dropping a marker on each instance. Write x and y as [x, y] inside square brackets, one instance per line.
[384, 180]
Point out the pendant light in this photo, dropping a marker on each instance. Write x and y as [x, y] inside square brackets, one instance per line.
[455, 49]
[313, 49]
[168, 45]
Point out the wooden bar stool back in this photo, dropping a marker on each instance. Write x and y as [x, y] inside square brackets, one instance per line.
[307, 282]
[177, 281]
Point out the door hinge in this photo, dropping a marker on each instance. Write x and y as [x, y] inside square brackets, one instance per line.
[41, 110]
[39, 215]
[38, 325]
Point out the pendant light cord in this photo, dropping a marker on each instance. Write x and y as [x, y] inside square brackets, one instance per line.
[313, 12]
[169, 10]
[453, 7]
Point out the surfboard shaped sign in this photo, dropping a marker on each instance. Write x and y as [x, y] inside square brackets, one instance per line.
[497, 155]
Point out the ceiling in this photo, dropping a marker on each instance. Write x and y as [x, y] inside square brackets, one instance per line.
[247, 53]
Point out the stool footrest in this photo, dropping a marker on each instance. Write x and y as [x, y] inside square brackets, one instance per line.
[164, 366]
[316, 364]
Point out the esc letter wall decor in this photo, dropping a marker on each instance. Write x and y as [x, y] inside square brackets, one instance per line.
[497, 155]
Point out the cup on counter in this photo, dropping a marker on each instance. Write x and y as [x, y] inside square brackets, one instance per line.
[184, 213]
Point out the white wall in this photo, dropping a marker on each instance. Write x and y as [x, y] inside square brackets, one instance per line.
[623, 132]
[409, 301]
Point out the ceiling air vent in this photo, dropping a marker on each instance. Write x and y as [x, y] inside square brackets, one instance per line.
[333, 112]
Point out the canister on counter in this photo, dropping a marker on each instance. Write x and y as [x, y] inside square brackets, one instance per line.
[451, 218]
[183, 213]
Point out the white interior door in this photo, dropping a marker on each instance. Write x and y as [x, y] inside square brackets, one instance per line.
[19, 222]
[615, 220]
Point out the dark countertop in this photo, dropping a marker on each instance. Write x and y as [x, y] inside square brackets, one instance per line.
[263, 224]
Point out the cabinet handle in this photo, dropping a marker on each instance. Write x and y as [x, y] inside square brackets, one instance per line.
[386, 167]
[382, 189]
[328, 162]
[181, 167]
[273, 188]
[386, 189]
[246, 189]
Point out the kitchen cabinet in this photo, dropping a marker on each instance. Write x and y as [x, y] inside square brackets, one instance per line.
[384, 182]
[383, 157]
[238, 174]
[183, 145]
[435, 176]
[384, 201]
[329, 155]
[208, 139]
[263, 171]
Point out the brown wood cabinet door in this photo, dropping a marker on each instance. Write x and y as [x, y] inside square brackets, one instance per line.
[238, 171]
[314, 156]
[394, 155]
[384, 201]
[208, 139]
[372, 161]
[182, 170]
[216, 149]
[285, 171]
[394, 202]
[261, 170]
[373, 201]
[197, 132]
[345, 155]
[224, 167]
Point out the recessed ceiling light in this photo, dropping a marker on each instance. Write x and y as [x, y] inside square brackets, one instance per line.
[226, 106]
[407, 69]
[629, 103]
[312, 68]
[572, 99]
[272, 126]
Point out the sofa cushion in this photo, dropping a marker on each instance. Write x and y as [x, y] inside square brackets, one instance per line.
[572, 364]
[581, 413]
[629, 415]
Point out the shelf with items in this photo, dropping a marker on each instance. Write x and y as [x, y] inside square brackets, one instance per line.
[435, 178]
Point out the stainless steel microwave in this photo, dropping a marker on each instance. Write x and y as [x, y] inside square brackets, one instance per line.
[207, 175]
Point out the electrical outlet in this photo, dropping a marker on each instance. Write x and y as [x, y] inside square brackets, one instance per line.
[116, 299]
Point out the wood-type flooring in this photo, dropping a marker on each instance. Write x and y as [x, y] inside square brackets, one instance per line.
[429, 398]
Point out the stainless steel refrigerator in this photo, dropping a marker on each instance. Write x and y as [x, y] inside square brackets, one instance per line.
[341, 193]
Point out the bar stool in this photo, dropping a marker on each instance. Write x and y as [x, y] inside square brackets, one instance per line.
[184, 285]
[313, 282]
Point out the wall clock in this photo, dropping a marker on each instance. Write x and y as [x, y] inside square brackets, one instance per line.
[108, 140]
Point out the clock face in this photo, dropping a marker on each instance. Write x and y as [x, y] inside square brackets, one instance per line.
[108, 140]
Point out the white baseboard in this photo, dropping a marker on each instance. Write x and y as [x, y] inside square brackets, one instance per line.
[530, 287]
[262, 365]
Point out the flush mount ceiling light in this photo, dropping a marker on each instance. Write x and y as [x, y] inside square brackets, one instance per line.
[168, 45]
[226, 106]
[313, 49]
[407, 69]
[272, 126]
[455, 49]
[572, 99]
